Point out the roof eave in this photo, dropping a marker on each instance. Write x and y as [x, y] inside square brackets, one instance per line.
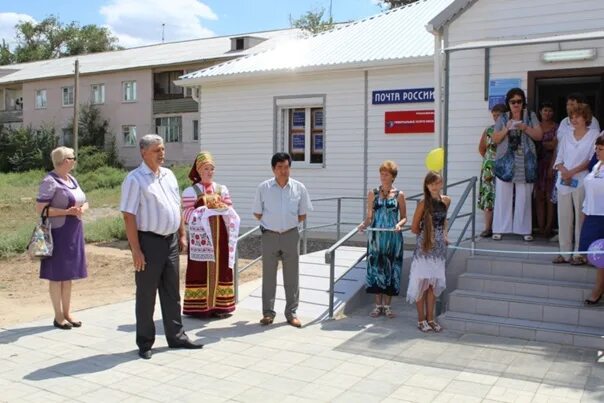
[194, 82]
[451, 12]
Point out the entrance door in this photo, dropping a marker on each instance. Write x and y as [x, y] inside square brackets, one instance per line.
[555, 85]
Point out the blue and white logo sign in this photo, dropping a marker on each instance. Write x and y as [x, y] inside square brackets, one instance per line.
[404, 96]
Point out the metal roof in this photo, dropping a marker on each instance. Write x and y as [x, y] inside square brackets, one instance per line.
[393, 35]
[496, 43]
[164, 54]
[453, 10]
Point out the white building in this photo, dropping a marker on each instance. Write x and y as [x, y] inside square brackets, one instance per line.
[323, 99]
[549, 47]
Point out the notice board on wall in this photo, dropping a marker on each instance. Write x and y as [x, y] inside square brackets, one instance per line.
[407, 122]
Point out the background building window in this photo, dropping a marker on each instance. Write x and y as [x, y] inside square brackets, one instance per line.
[164, 87]
[170, 128]
[40, 99]
[305, 134]
[196, 130]
[129, 90]
[67, 96]
[67, 137]
[98, 94]
[129, 133]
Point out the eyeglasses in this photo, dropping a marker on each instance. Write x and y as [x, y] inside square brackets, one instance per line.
[515, 101]
[71, 158]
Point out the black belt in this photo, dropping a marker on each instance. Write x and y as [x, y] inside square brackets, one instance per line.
[153, 234]
[263, 230]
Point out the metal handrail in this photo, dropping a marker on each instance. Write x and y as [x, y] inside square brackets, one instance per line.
[470, 187]
[235, 267]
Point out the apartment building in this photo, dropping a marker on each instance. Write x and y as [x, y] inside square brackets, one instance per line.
[133, 88]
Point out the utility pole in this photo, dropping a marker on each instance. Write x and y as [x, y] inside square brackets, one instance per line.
[76, 108]
[330, 15]
[163, 26]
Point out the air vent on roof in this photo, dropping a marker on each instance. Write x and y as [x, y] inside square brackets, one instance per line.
[244, 42]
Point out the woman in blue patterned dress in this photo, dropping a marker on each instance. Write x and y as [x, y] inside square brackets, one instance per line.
[427, 276]
[387, 213]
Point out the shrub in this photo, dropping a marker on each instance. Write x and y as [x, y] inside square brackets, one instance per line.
[25, 149]
[15, 242]
[102, 178]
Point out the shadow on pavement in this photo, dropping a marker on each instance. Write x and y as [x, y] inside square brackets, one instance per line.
[10, 336]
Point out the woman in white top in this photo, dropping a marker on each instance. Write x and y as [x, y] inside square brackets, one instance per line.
[571, 163]
[593, 208]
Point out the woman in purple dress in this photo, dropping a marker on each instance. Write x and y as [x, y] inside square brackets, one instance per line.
[67, 202]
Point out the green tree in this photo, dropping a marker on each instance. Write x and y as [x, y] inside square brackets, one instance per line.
[389, 4]
[50, 38]
[312, 22]
[6, 57]
[24, 149]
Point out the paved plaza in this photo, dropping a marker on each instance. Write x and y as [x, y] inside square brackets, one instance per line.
[354, 359]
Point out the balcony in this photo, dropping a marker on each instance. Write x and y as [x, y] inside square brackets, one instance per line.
[11, 116]
[178, 105]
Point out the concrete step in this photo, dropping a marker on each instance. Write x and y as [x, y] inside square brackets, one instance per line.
[522, 268]
[580, 336]
[514, 247]
[524, 307]
[530, 287]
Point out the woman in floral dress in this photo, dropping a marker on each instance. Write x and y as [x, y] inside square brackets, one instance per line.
[486, 192]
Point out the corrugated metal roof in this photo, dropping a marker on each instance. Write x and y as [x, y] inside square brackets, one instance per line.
[397, 34]
[450, 12]
[146, 56]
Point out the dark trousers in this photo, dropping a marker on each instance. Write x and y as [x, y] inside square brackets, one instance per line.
[160, 274]
[282, 247]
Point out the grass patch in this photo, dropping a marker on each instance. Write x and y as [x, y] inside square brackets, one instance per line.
[103, 186]
[105, 229]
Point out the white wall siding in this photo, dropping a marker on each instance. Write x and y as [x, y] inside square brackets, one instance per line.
[237, 127]
[491, 19]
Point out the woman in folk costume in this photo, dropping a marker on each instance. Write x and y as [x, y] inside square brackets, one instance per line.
[213, 227]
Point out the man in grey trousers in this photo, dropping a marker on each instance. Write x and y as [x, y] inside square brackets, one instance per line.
[150, 204]
[280, 204]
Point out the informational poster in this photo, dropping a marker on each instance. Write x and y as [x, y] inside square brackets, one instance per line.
[406, 122]
[317, 119]
[317, 146]
[297, 143]
[298, 119]
[499, 87]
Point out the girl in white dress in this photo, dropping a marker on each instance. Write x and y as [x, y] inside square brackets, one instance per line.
[427, 276]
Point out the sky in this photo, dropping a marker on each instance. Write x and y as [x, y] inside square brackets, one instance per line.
[140, 22]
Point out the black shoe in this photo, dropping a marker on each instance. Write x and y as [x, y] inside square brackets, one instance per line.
[145, 354]
[187, 344]
[75, 323]
[65, 326]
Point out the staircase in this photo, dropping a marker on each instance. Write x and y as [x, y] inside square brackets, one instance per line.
[525, 296]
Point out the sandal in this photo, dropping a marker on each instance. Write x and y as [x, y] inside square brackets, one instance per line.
[377, 311]
[435, 326]
[592, 302]
[578, 261]
[559, 259]
[486, 233]
[528, 238]
[496, 237]
[424, 326]
[388, 312]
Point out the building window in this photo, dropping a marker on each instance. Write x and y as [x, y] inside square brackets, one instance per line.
[305, 134]
[196, 130]
[239, 44]
[163, 85]
[129, 91]
[97, 94]
[129, 133]
[67, 96]
[67, 137]
[170, 128]
[41, 99]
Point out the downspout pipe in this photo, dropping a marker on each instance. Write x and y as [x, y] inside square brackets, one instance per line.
[365, 137]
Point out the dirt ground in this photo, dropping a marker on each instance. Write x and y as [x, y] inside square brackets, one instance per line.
[24, 296]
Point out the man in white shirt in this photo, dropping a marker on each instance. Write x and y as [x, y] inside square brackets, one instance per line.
[280, 204]
[150, 204]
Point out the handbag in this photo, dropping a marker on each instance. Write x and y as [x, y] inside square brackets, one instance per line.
[504, 166]
[41, 245]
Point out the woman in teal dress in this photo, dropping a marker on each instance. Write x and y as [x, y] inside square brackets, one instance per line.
[387, 213]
